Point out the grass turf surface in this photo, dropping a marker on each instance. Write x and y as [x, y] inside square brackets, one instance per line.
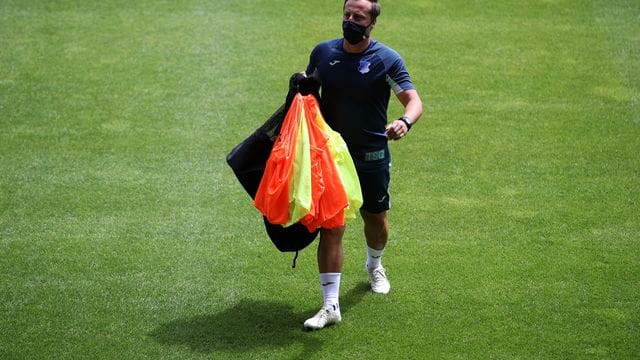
[123, 234]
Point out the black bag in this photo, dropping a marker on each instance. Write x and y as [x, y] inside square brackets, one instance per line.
[248, 160]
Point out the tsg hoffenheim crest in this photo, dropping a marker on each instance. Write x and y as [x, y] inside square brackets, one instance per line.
[363, 67]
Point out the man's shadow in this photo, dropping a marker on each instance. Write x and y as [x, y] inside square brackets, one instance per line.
[249, 325]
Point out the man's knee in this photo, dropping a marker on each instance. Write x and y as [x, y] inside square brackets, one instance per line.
[332, 235]
[377, 220]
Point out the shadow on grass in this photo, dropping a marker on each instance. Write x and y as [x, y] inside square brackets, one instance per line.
[249, 325]
[245, 327]
[354, 296]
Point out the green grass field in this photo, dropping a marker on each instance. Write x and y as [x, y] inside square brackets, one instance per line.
[516, 199]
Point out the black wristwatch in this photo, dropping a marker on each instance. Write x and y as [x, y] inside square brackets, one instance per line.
[407, 121]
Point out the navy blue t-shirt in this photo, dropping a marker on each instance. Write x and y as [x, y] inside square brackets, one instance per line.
[355, 91]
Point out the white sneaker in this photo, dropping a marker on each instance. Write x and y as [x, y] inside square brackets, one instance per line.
[378, 280]
[326, 316]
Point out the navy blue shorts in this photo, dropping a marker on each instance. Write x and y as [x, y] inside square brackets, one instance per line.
[374, 175]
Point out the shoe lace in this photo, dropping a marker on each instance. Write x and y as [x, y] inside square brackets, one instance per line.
[322, 316]
[325, 313]
[378, 274]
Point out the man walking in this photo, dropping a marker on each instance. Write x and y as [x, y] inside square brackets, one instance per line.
[357, 75]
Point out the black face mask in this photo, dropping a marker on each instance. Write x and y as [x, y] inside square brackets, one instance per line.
[353, 32]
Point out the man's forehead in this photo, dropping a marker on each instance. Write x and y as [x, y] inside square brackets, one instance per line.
[363, 6]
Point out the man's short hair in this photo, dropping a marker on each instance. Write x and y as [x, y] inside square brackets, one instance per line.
[375, 8]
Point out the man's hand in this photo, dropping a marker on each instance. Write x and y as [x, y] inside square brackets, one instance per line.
[397, 130]
[303, 84]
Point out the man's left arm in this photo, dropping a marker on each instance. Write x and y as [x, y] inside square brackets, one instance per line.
[412, 112]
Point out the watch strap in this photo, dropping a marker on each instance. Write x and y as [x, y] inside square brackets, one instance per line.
[407, 121]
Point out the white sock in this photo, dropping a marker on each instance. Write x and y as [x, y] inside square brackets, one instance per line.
[374, 258]
[330, 283]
